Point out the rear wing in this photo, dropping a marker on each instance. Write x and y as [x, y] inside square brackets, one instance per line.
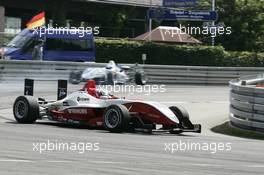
[61, 90]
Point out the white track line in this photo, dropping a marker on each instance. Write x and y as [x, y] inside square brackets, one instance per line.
[206, 165]
[106, 162]
[16, 160]
[55, 161]
[58, 161]
[255, 166]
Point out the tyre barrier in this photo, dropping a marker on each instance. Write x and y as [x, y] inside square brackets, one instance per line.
[14, 70]
[247, 102]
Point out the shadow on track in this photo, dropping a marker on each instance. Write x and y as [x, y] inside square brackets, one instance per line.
[97, 129]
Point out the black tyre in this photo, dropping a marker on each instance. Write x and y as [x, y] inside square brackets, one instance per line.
[109, 79]
[26, 109]
[75, 77]
[176, 131]
[183, 116]
[180, 112]
[116, 118]
[100, 81]
[140, 79]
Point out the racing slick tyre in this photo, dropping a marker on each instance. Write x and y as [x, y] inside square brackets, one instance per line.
[26, 109]
[75, 77]
[176, 131]
[182, 115]
[180, 112]
[140, 79]
[109, 79]
[116, 118]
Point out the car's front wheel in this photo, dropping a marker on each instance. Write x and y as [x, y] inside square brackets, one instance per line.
[26, 109]
[116, 118]
[183, 116]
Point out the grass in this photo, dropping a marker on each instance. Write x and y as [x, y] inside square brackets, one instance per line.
[228, 129]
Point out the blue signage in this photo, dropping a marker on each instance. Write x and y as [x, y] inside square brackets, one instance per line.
[179, 3]
[169, 14]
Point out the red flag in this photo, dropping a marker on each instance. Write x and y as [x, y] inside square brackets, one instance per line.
[37, 21]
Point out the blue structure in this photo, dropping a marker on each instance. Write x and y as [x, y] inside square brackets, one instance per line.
[52, 45]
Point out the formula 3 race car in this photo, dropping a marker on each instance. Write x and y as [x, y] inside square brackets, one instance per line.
[110, 74]
[99, 109]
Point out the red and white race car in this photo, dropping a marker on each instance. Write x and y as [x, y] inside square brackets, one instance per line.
[99, 109]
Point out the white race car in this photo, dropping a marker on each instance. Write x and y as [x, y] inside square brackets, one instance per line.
[111, 74]
[95, 108]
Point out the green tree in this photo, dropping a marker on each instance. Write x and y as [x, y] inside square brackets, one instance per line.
[115, 19]
[59, 10]
[246, 17]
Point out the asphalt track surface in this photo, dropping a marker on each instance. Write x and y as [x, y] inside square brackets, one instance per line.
[128, 153]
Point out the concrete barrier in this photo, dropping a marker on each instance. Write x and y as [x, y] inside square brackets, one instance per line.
[247, 102]
[11, 70]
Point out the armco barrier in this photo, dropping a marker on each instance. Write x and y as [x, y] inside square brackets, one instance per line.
[197, 74]
[11, 70]
[247, 102]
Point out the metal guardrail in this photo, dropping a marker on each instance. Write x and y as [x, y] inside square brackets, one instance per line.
[247, 102]
[13, 70]
[197, 74]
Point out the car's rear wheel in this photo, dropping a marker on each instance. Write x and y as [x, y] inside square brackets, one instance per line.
[140, 79]
[26, 109]
[116, 118]
[109, 78]
[75, 77]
